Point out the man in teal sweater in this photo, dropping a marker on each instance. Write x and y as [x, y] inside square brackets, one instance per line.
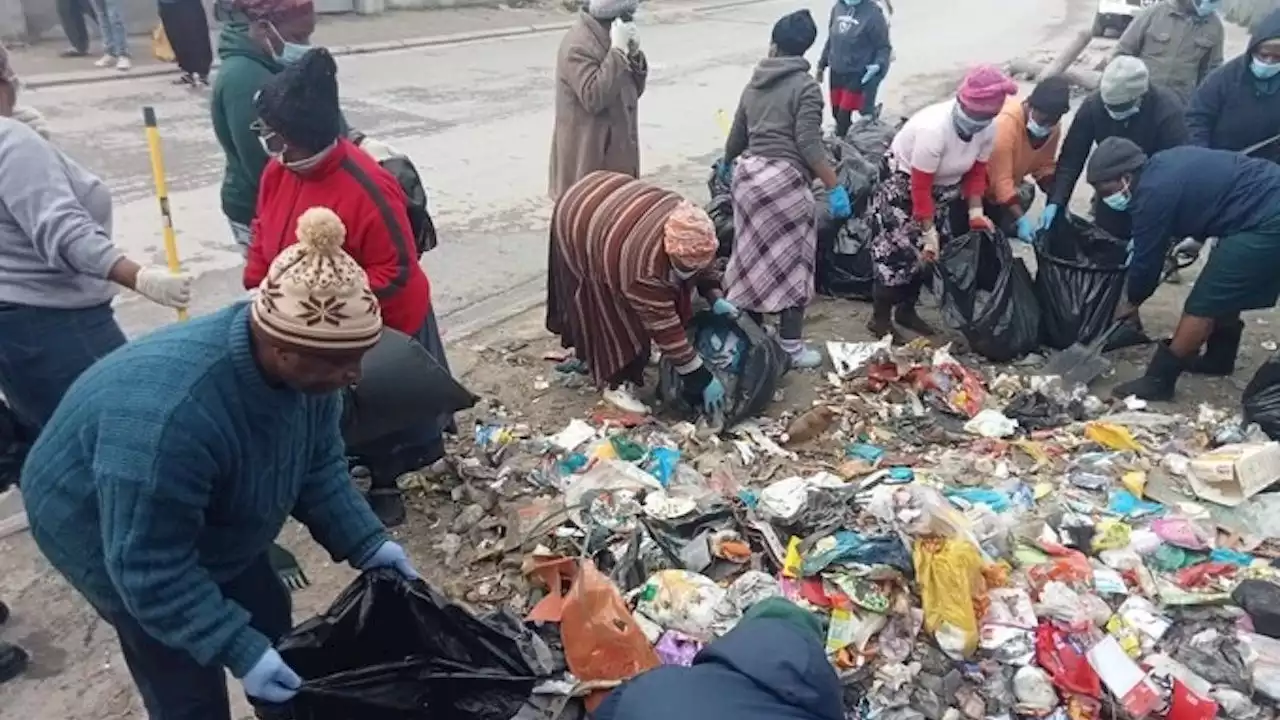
[171, 465]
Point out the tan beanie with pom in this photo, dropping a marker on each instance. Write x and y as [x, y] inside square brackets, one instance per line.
[314, 294]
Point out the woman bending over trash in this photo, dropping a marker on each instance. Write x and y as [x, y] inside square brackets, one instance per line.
[935, 169]
[777, 141]
[625, 257]
[1197, 193]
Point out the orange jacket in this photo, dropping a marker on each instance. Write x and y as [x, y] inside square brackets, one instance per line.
[1013, 158]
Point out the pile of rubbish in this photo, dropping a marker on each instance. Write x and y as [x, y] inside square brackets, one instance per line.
[977, 544]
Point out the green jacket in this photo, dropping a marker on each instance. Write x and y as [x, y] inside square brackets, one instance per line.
[245, 69]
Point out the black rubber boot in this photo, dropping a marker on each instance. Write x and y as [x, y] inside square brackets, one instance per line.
[1158, 382]
[905, 312]
[883, 300]
[13, 660]
[1219, 358]
[844, 119]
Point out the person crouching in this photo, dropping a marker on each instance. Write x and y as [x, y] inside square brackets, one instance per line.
[775, 149]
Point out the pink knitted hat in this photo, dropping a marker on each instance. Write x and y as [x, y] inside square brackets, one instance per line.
[984, 89]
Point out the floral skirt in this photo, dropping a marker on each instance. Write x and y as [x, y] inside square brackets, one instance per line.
[896, 238]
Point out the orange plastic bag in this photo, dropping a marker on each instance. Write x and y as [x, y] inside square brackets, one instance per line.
[601, 639]
[160, 47]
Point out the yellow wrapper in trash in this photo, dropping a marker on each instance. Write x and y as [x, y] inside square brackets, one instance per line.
[792, 563]
[949, 575]
[1135, 481]
[1126, 635]
[1112, 437]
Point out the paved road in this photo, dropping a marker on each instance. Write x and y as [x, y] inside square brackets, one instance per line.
[476, 118]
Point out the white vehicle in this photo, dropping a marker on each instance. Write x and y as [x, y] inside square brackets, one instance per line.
[1117, 14]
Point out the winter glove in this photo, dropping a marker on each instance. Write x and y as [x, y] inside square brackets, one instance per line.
[929, 253]
[872, 70]
[1026, 233]
[979, 222]
[391, 555]
[271, 679]
[838, 203]
[713, 397]
[160, 286]
[620, 36]
[1047, 216]
[724, 307]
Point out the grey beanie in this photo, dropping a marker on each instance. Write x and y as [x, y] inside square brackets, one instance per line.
[1124, 80]
[611, 9]
[1114, 158]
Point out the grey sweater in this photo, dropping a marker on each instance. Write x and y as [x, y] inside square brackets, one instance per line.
[780, 115]
[55, 225]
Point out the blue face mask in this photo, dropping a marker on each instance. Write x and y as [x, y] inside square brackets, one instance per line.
[1118, 200]
[1263, 70]
[290, 53]
[1037, 130]
[852, 3]
[1205, 8]
[1125, 114]
[967, 127]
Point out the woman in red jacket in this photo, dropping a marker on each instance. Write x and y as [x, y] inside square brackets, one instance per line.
[311, 165]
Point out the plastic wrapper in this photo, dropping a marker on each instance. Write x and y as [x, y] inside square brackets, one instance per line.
[949, 576]
[683, 601]
[1080, 271]
[389, 647]
[1261, 398]
[1065, 662]
[987, 296]
[602, 641]
[761, 364]
[1261, 600]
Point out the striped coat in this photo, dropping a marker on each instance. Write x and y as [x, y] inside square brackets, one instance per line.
[610, 289]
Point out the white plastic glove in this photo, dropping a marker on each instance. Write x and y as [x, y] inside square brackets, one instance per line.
[931, 243]
[620, 36]
[633, 42]
[271, 679]
[163, 287]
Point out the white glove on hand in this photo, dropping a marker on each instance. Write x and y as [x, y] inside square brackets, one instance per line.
[621, 35]
[633, 43]
[163, 287]
[931, 242]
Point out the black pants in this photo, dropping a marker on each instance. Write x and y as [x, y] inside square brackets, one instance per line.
[72, 15]
[172, 684]
[187, 28]
[790, 322]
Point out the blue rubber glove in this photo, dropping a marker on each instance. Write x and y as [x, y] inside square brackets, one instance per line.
[713, 396]
[872, 70]
[838, 203]
[271, 679]
[1047, 216]
[724, 171]
[1026, 233]
[391, 555]
[724, 307]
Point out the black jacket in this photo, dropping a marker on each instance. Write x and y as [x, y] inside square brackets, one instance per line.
[1159, 125]
[1232, 109]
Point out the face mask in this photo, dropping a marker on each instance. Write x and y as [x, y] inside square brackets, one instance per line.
[1125, 114]
[852, 3]
[1206, 7]
[273, 154]
[1118, 200]
[682, 275]
[290, 53]
[966, 127]
[1263, 70]
[1037, 130]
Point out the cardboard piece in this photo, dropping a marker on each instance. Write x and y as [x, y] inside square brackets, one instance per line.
[1234, 473]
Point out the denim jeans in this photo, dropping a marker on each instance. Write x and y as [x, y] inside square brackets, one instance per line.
[115, 36]
[44, 350]
[172, 684]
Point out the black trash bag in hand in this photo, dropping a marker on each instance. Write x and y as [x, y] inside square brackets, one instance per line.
[1080, 273]
[392, 649]
[763, 363]
[1261, 398]
[987, 296]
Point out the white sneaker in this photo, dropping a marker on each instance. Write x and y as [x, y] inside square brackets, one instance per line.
[105, 61]
[806, 359]
[623, 398]
[124, 64]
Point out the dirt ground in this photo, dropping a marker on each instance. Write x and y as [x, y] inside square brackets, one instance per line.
[77, 672]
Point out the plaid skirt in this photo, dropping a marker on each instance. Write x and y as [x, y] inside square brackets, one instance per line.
[771, 268]
[896, 238]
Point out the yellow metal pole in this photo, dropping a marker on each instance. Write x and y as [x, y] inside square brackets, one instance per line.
[162, 193]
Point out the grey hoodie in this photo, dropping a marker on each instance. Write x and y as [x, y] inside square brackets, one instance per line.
[55, 225]
[780, 115]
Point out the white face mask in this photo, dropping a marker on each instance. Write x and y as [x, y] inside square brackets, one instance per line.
[682, 275]
[273, 154]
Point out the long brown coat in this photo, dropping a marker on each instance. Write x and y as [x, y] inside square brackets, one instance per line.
[597, 94]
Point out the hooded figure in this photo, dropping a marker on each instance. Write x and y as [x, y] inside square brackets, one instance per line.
[857, 51]
[774, 151]
[772, 665]
[300, 126]
[1238, 105]
[1179, 40]
[600, 76]
[1193, 192]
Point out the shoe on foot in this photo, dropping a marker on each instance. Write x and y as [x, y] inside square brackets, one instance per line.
[623, 397]
[105, 61]
[73, 53]
[388, 505]
[806, 359]
[1158, 382]
[13, 660]
[907, 317]
[185, 79]
[124, 64]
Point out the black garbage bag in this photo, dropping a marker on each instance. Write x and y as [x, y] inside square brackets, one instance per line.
[391, 649]
[749, 384]
[1080, 272]
[721, 211]
[1261, 398]
[15, 443]
[987, 296]
[871, 136]
[844, 267]
[1261, 600]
